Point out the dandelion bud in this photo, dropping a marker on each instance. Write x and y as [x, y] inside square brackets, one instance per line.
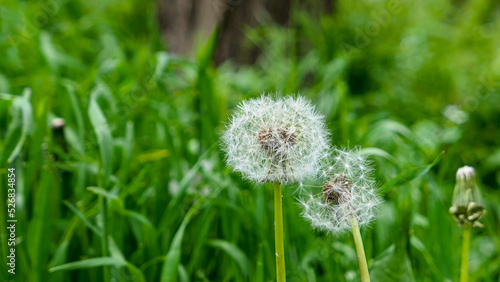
[272, 139]
[59, 140]
[467, 207]
[58, 124]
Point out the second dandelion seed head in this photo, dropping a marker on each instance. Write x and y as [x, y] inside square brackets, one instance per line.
[349, 192]
[337, 191]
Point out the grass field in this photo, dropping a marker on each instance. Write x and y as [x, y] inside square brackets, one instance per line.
[134, 187]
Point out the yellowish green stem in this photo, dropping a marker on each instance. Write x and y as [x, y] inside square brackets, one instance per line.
[464, 270]
[278, 234]
[363, 266]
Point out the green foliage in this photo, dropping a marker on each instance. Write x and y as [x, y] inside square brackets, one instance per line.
[406, 80]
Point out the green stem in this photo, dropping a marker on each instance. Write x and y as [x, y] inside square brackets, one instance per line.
[363, 266]
[464, 270]
[104, 243]
[278, 234]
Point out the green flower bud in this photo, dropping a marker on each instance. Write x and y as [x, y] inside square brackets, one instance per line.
[467, 207]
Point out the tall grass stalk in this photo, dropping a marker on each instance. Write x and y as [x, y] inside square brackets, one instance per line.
[105, 232]
[358, 241]
[464, 269]
[278, 234]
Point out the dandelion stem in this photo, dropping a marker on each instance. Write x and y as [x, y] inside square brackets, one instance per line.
[104, 243]
[464, 270]
[278, 234]
[363, 266]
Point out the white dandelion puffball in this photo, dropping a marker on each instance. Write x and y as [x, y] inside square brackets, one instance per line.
[274, 138]
[348, 191]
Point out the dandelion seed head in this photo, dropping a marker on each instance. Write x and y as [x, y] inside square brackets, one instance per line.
[274, 138]
[347, 192]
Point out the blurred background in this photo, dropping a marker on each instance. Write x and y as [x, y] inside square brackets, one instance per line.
[111, 112]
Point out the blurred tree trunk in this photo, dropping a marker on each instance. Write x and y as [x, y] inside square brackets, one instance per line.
[183, 22]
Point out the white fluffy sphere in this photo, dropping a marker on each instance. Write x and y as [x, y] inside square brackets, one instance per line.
[274, 138]
[348, 191]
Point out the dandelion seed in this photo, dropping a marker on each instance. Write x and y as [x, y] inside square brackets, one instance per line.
[347, 192]
[272, 139]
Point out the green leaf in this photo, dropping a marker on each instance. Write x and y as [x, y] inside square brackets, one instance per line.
[82, 217]
[114, 250]
[172, 261]
[206, 53]
[89, 263]
[102, 192]
[183, 275]
[49, 51]
[259, 272]
[77, 142]
[408, 175]
[22, 103]
[183, 185]
[39, 228]
[372, 151]
[419, 245]
[162, 61]
[55, 57]
[138, 217]
[392, 265]
[234, 252]
[170, 267]
[103, 133]
[117, 259]
[137, 274]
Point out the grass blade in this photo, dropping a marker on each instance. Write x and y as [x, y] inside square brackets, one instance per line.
[89, 263]
[103, 133]
[408, 175]
[23, 103]
[234, 252]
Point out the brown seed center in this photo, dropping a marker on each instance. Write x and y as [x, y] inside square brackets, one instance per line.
[275, 141]
[337, 191]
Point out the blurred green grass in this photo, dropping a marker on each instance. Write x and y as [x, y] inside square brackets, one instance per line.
[142, 126]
